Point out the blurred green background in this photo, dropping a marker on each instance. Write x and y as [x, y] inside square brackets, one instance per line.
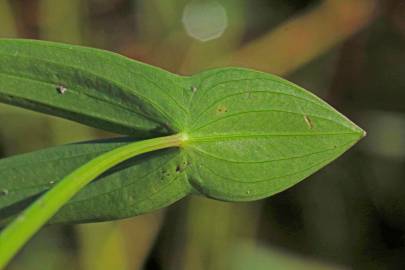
[350, 215]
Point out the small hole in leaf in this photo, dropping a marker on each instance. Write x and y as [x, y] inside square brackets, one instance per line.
[167, 125]
[61, 89]
[178, 169]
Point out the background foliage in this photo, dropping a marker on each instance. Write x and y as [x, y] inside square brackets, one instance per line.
[349, 215]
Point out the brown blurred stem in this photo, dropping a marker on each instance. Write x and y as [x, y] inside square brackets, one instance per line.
[8, 28]
[304, 37]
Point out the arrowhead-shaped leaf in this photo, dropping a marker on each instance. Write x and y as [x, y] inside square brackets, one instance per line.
[250, 134]
[254, 134]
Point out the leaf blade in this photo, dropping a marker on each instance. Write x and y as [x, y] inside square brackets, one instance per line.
[260, 134]
[103, 89]
[150, 181]
[251, 134]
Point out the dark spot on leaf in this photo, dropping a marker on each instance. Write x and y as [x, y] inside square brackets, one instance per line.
[3, 192]
[166, 126]
[165, 173]
[222, 109]
[186, 163]
[178, 168]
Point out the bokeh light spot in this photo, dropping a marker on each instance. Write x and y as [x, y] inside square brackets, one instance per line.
[205, 20]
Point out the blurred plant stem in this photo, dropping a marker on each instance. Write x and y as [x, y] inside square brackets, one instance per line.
[118, 245]
[140, 235]
[62, 20]
[246, 257]
[214, 228]
[162, 40]
[101, 247]
[305, 37]
[8, 27]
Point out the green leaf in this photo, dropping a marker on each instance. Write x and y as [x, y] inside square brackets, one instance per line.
[253, 134]
[250, 134]
[139, 185]
[94, 87]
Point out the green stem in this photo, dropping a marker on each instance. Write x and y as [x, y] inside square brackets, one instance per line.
[13, 238]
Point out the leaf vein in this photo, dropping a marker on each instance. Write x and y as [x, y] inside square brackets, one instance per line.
[262, 111]
[268, 179]
[264, 161]
[244, 93]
